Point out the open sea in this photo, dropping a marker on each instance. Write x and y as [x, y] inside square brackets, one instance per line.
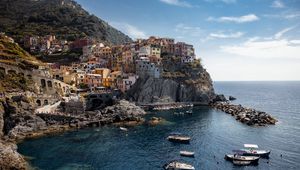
[214, 133]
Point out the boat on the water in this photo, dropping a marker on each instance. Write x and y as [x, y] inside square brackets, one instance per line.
[189, 112]
[123, 129]
[176, 165]
[238, 157]
[187, 153]
[252, 150]
[177, 137]
[241, 163]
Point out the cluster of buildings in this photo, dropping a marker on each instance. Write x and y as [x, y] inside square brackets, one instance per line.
[49, 44]
[119, 67]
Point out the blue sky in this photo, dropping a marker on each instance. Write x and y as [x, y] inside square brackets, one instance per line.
[236, 39]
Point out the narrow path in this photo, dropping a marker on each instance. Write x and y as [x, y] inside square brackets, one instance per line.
[48, 108]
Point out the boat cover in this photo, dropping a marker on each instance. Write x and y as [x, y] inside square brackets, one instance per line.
[250, 146]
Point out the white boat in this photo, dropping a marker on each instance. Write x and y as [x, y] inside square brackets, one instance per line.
[187, 153]
[189, 111]
[252, 150]
[177, 137]
[241, 163]
[237, 157]
[175, 165]
[123, 129]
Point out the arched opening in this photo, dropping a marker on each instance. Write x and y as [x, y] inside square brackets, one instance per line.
[12, 72]
[21, 74]
[64, 89]
[46, 102]
[29, 77]
[38, 102]
[43, 83]
[49, 83]
[2, 70]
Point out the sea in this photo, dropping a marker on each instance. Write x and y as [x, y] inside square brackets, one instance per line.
[213, 134]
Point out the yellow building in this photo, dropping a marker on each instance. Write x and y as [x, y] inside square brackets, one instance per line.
[114, 76]
[104, 72]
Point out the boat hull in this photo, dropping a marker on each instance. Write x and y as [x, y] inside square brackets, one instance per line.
[175, 165]
[187, 154]
[253, 159]
[179, 139]
[262, 154]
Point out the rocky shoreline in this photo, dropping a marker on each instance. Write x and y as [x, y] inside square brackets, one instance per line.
[121, 113]
[38, 125]
[248, 116]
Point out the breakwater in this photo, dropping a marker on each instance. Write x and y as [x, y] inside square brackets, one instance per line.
[245, 115]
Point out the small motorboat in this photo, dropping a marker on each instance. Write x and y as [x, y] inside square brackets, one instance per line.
[187, 153]
[238, 157]
[241, 163]
[176, 165]
[189, 112]
[252, 150]
[123, 129]
[177, 137]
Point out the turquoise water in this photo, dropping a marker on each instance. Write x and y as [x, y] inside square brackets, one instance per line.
[213, 134]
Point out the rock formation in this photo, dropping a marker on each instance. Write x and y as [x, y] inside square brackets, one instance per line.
[10, 159]
[245, 115]
[149, 90]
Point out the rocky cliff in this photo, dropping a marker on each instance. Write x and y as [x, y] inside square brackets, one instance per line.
[178, 83]
[63, 18]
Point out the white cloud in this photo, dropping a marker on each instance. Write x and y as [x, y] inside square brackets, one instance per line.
[180, 3]
[295, 42]
[230, 35]
[188, 30]
[129, 29]
[229, 1]
[239, 19]
[284, 15]
[280, 33]
[225, 1]
[265, 49]
[222, 35]
[277, 4]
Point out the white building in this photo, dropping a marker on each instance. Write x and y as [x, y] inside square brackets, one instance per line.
[128, 82]
[145, 51]
[145, 68]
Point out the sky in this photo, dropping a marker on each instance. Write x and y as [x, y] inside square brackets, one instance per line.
[237, 40]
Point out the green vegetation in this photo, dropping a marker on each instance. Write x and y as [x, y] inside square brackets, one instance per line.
[65, 58]
[11, 53]
[14, 83]
[68, 20]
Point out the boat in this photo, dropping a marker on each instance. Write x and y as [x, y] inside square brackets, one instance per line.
[241, 163]
[252, 150]
[176, 165]
[123, 129]
[238, 157]
[187, 153]
[189, 111]
[177, 137]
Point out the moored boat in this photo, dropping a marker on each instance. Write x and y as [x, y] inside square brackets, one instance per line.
[187, 153]
[179, 138]
[241, 163]
[189, 112]
[252, 150]
[176, 165]
[123, 129]
[237, 157]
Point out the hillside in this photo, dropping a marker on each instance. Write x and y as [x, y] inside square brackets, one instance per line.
[11, 53]
[64, 18]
